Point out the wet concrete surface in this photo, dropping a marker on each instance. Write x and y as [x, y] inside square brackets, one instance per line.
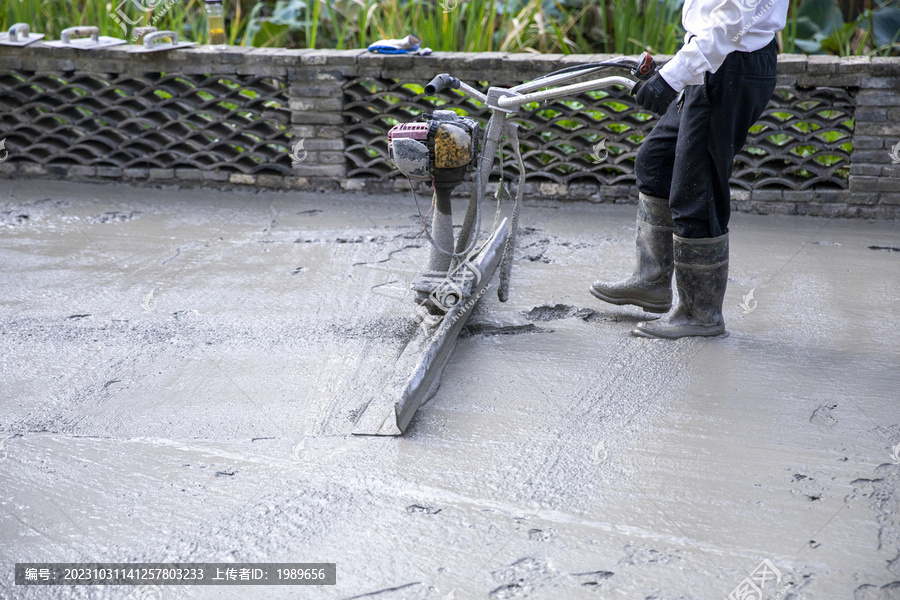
[181, 370]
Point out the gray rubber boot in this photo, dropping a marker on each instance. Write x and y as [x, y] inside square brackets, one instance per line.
[650, 287]
[701, 275]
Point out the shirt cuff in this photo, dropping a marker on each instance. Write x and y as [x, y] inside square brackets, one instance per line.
[686, 68]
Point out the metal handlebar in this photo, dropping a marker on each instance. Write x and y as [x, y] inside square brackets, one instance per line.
[440, 82]
[566, 90]
[505, 99]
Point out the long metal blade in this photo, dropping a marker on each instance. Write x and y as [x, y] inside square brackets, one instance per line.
[417, 372]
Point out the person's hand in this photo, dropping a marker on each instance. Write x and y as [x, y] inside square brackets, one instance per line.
[655, 94]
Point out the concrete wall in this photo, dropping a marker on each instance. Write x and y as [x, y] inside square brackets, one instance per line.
[287, 95]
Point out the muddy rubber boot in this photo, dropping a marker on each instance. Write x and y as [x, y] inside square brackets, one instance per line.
[701, 275]
[650, 287]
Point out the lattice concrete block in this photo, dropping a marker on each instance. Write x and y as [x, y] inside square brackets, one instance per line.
[82, 171]
[883, 66]
[353, 184]
[870, 170]
[791, 64]
[319, 144]
[304, 170]
[270, 181]
[215, 176]
[242, 179]
[189, 174]
[864, 198]
[822, 64]
[872, 156]
[316, 117]
[878, 97]
[882, 129]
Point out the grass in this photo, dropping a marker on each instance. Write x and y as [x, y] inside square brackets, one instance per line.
[459, 25]
[542, 26]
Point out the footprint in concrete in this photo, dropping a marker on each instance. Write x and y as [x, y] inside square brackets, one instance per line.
[541, 535]
[520, 579]
[888, 591]
[823, 416]
[565, 311]
[538, 258]
[593, 579]
[494, 329]
[7, 218]
[115, 217]
[642, 555]
[417, 508]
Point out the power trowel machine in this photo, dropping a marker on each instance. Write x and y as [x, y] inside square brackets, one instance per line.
[443, 147]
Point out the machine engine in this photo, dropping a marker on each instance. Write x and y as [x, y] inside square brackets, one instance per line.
[442, 147]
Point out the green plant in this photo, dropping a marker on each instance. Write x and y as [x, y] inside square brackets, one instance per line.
[565, 26]
[818, 27]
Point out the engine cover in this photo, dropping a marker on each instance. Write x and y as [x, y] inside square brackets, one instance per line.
[442, 145]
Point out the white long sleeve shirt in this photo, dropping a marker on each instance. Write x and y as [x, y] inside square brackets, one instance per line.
[716, 28]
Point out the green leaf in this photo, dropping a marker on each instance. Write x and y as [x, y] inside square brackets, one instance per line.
[808, 46]
[824, 13]
[271, 35]
[887, 25]
[806, 28]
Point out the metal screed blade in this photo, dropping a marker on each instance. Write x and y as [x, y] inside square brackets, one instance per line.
[417, 373]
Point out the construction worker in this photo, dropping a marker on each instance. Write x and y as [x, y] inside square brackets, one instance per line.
[726, 71]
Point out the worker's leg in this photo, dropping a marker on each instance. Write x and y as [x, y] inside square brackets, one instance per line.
[714, 125]
[650, 285]
[655, 159]
[715, 120]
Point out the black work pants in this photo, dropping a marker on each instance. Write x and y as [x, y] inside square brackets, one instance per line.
[688, 157]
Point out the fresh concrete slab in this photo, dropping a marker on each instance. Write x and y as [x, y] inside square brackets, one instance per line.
[181, 370]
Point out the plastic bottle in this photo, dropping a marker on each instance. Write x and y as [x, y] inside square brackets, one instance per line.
[215, 23]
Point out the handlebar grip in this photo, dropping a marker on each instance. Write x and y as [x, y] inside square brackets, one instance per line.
[646, 67]
[440, 82]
